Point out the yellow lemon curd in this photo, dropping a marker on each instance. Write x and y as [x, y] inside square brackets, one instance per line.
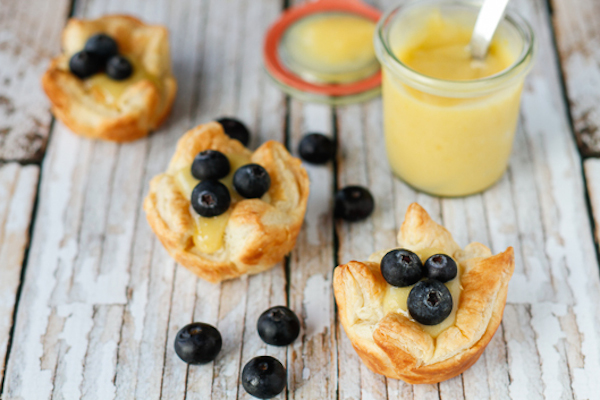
[331, 47]
[449, 146]
[109, 90]
[395, 298]
[210, 231]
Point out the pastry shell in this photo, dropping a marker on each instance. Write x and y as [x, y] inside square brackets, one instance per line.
[396, 346]
[259, 232]
[142, 107]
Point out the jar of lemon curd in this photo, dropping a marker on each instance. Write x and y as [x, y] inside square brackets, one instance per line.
[450, 120]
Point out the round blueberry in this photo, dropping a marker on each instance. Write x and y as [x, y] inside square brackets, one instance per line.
[235, 129]
[198, 343]
[278, 326]
[210, 164]
[401, 268]
[264, 377]
[441, 267]
[316, 148]
[429, 302]
[210, 198]
[118, 68]
[353, 203]
[102, 46]
[251, 181]
[84, 64]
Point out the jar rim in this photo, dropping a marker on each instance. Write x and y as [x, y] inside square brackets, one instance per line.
[455, 88]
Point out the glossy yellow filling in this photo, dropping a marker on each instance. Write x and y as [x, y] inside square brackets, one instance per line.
[210, 231]
[109, 91]
[396, 297]
[332, 47]
[449, 146]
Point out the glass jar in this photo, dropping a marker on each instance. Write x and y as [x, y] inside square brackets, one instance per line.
[449, 137]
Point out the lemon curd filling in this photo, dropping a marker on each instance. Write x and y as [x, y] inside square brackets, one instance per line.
[331, 47]
[396, 297]
[210, 231]
[448, 145]
[109, 91]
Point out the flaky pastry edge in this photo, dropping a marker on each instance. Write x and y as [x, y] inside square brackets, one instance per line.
[258, 234]
[142, 107]
[396, 346]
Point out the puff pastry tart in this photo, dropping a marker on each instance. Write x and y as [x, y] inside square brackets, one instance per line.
[253, 234]
[386, 337]
[103, 108]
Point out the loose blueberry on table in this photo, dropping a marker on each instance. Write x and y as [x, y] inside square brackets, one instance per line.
[401, 268]
[102, 46]
[278, 326]
[235, 129]
[118, 68]
[210, 198]
[353, 203]
[316, 148]
[429, 302]
[251, 181]
[264, 377]
[441, 267]
[198, 343]
[210, 164]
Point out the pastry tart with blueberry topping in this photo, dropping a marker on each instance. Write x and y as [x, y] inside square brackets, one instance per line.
[113, 80]
[223, 211]
[424, 312]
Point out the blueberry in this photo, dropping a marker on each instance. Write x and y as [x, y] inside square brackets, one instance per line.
[278, 326]
[264, 377]
[316, 148]
[429, 302]
[210, 164]
[210, 198]
[441, 267]
[251, 181]
[401, 268]
[198, 343]
[118, 68]
[353, 203]
[235, 129]
[102, 46]
[84, 64]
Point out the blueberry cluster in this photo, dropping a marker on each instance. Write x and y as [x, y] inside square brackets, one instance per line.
[429, 301]
[100, 53]
[263, 377]
[352, 203]
[210, 197]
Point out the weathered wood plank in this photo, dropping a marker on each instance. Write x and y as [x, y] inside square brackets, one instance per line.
[577, 36]
[29, 37]
[592, 175]
[313, 358]
[18, 188]
[113, 300]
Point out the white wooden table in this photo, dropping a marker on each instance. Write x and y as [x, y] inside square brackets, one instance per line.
[90, 308]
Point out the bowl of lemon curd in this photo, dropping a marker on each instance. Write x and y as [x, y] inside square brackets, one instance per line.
[450, 120]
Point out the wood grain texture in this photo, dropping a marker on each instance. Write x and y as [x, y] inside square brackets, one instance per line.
[18, 188]
[578, 38]
[536, 208]
[102, 301]
[29, 38]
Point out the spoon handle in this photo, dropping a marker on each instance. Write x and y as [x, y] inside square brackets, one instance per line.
[489, 17]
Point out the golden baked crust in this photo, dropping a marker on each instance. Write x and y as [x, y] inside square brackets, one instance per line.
[396, 346]
[259, 233]
[142, 107]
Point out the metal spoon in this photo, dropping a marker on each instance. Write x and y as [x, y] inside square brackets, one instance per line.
[489, 18]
